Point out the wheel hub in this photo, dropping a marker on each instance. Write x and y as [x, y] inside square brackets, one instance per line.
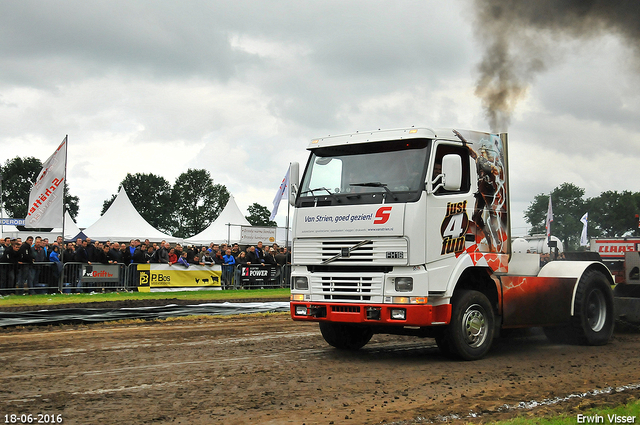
[596, 311]
[474, 326]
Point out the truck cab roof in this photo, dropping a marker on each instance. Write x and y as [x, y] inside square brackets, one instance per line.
[383, 135]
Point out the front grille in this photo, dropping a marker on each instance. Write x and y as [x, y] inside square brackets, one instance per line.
[378, 252]
[345, 308]
[344, 287]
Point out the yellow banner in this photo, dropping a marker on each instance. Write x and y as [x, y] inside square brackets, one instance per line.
[177, 276]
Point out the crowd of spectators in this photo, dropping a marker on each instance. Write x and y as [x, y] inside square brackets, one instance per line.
[20, 259]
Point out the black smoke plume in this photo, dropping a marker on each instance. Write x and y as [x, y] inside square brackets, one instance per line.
[521, 36]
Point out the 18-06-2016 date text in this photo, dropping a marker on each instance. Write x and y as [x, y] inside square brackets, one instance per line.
[38, 418]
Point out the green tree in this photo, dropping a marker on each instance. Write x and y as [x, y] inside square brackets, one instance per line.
[151, 196]
[259, 216]
[19, 175]
[613, 214]
[568, 207]
[197, 202]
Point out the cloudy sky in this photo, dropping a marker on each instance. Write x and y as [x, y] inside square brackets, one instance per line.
[240, 88]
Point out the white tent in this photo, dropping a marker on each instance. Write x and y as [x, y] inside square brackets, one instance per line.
[70, 227]
[225, 228]
[121, 222]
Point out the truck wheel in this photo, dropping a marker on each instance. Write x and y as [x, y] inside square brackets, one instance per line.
[593, 319]
[470, 334]
[344, 336]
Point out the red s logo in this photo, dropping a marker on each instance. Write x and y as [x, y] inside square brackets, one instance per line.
[382, 215]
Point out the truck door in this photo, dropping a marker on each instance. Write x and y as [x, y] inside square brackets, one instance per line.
[448, 216]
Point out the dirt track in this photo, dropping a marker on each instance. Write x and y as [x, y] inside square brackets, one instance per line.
[271, 370]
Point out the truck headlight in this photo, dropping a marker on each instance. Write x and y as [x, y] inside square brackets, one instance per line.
[300, 282]
[398, 314]
[404, 284]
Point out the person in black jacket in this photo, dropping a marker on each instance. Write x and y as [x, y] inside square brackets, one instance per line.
[138, 254]
[115, 255]
[102, 255]
[11, 256]
[26, 264]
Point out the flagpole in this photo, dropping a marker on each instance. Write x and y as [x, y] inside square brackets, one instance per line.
[64, 184]
[286, 233]
[64, 192]
[2, 210]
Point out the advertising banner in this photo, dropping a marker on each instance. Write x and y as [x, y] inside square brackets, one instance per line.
[614, 249]
[351, 220]
[100, 272]
[178, 276]
[257, 275]
[12, 221]
[46, 196]
[250, 235]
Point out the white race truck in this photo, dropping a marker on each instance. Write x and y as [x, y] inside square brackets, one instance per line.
[407, 232]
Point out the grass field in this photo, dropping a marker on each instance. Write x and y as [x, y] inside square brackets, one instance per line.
[626, 413]
[50, 299]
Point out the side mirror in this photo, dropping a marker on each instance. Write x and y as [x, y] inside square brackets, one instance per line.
[452, 170]
[294, 182]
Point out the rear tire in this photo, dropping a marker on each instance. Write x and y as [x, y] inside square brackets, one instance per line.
[344, 336]
[470, 334]
[593, 320]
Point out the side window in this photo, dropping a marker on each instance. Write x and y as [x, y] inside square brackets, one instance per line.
[443, 150]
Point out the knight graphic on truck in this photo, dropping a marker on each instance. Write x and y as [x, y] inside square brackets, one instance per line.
[407, 232]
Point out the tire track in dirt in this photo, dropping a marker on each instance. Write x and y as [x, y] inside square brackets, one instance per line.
[272, 370]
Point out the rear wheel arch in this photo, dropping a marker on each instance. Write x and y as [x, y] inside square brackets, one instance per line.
[593, 317]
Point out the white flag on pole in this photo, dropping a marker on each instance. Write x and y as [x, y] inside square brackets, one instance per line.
[46, 196]
[549, 217]
[283, 192]
[584, 241]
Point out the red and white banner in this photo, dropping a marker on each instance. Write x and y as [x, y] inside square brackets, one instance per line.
[614, 248]
[47, 195]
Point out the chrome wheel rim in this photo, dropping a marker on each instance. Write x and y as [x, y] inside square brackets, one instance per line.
[474, 326]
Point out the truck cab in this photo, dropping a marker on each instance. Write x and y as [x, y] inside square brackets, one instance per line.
[406, 231]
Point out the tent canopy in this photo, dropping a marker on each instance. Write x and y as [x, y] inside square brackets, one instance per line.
[121, 222]
[225, 228]
[70, 226]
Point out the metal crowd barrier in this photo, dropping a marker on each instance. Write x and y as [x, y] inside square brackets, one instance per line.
[258, 276]
[72, 277]
[35, 278]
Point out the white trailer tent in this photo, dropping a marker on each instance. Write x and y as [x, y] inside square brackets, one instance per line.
[226, 228]
[121, 222]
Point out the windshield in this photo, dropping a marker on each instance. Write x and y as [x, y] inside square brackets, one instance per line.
[391, 171]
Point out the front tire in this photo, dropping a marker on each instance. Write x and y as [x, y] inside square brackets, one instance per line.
[470, 333]
[344, 336]
[593, 319]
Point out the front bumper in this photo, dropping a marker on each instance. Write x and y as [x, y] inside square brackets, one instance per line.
[374, 314]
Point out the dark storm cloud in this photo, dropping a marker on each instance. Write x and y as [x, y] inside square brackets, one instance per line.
[520, 37]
